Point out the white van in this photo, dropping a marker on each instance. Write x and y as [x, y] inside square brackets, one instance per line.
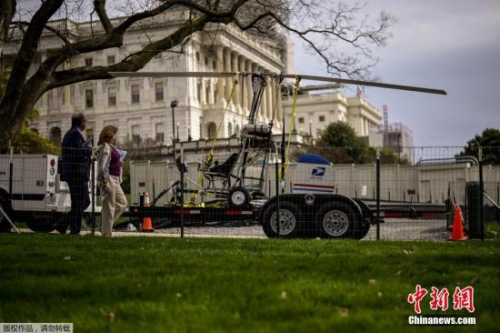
[39, 198]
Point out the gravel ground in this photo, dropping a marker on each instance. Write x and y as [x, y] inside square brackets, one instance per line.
[392, 229]
[407, 229]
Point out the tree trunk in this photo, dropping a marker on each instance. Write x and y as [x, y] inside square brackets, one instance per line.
[16, 115]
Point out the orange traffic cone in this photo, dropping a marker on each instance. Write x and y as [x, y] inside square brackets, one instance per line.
[147, 223]
[457, 233]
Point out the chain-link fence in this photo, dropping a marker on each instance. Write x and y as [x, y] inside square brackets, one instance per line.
[410, 193]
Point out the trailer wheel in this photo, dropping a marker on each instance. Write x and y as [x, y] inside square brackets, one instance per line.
[41, 224]
[238, 197]
[336, 220]
[289, 219]
[4, 224]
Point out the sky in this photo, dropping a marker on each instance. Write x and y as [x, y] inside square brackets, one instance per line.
[446, 44]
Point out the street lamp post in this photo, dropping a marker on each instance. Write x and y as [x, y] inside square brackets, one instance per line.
[399, 147]
[173, 104]
[310, 128]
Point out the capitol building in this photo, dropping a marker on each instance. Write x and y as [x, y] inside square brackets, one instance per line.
[141, 107]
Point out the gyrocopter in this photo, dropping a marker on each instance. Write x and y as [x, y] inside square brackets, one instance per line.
[233, 189]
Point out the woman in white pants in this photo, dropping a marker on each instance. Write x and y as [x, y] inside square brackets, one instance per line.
[109, 177]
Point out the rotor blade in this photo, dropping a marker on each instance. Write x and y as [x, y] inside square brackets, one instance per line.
[175, 74]
[322, 86]
[367, 83]
[303, 77]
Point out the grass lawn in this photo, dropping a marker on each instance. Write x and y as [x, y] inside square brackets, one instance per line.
[199, 285]
[492, 231]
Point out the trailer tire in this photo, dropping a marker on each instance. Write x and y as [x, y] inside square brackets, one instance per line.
[4, 224]
[336, 220]
[41, 224]
[290, 217]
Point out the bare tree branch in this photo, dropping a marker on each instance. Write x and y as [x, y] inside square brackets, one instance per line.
[56, 32]
[100, 8]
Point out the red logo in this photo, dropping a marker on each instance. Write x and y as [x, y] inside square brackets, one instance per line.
[439, 299]
[417, 297]
[463, 298]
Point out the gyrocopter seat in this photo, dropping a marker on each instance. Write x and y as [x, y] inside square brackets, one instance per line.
[222, 171]
[226, 167]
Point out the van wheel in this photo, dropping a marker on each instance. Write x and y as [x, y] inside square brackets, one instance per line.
[289, 221]
[4, 224]
[41, 224]
[336, 220]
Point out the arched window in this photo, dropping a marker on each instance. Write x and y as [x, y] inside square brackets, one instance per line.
[212, 129]
[229, 129]
[237, 129]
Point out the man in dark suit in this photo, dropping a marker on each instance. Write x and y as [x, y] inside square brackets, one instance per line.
[75, 170]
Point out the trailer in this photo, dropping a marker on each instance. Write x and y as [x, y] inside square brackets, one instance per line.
[300, 215]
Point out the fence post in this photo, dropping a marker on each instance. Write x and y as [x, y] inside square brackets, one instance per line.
[481, 192]
[141, 215]
[92, 214]
[182, 191]
[277, 172]
[498, 201]
[11, 171]
[377, 176]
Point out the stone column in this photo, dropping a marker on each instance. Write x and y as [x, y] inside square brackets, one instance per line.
[272, 92]
[255, 69]
[269, 95]
[265, 105]
[220, 68]
[247, 92]
[279, 113]
[242, 88]
[202, 93]
[227, 68]
[235, 68]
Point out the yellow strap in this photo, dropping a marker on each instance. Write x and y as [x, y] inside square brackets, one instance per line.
[214, 141]
[291, 127]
